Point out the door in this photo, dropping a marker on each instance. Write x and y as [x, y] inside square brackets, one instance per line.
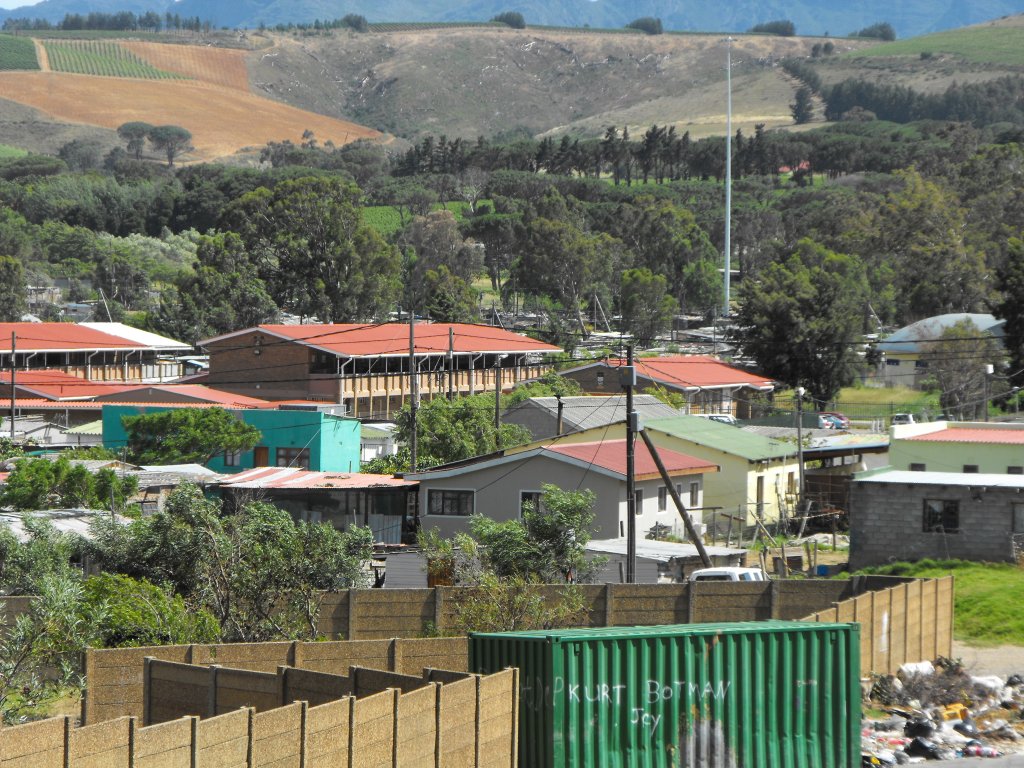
[261, 456]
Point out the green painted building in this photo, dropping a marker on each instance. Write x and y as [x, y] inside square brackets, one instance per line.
[305, 438]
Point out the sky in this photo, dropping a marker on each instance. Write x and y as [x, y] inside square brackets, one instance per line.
[16, 3]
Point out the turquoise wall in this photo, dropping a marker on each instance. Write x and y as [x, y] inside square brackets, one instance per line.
[333, 441]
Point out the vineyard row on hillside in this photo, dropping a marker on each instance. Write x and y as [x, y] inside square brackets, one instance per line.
[17, 53]
[102, 58]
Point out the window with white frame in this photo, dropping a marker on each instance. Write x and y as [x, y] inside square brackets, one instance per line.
[232, 458]
[662, 499]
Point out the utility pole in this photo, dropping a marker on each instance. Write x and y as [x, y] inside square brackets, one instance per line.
[497, 400]
[800, 392]
[451, 363]
[628, 377]
[414, 388]
[14, 374]
[560, 424]
[728, 174]
[690, 528]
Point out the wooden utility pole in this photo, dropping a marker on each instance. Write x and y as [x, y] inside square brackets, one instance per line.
[14, 374]
[451, 363]
[690, 528]
[414, 387]
[628, 374]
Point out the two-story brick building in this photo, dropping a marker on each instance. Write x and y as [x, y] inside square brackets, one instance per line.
[368, 368]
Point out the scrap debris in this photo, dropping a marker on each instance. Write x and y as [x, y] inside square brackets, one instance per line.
[937, 711]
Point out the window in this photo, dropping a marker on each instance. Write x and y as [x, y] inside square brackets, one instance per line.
[917, 467]
[529, 497]
[971, 469]
[293, 457]
[457, 503]
[941, 516]
[1018, 518]
[662, 499]
[232, 458]
[1015, 470]
[600, 378]
[694, 495]
[791, 483]
[638, 496]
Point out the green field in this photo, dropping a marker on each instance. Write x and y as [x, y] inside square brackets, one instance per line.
[386, 219]
[986, 45]
[8, 152]
[987, 602]
[17, 53]
[100, 57]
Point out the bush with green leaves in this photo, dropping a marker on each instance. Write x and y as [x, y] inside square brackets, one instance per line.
[646, 24]
[41, 483]
[512, 19]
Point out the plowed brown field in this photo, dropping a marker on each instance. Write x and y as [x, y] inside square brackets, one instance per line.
[220, 66]
[222, 120]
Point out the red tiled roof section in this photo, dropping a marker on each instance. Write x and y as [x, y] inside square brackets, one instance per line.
[694, 371]
[393, 338]
[62, 337]
[972, 435]
[611, 455]
[58, 385]
[203, 394]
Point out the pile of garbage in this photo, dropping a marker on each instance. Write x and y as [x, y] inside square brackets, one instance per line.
[936, 711]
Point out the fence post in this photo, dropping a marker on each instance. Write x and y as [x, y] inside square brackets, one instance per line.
[395, 654]
[396, 699]
[282, 686]
[252, 736]
[476, 726]
[303, 735]
[351, 730]
[147, 688]
[352, 614]
[438, 609]
[609, 605]
[515, 718]
[194, 748]
[437, 724]
[131, 741]
[774, 600]
[67, 741]
[211, 691]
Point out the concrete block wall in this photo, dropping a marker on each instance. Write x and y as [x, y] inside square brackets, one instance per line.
[474, 725]
[887, 523]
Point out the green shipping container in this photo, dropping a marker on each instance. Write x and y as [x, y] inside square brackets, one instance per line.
[771, 694]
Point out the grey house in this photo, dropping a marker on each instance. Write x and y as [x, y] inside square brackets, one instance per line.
[905, 515]
[541, 415]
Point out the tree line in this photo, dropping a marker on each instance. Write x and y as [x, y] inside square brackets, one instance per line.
[122, 21]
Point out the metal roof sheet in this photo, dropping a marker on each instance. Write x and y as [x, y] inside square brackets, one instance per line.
[139, 336]
[290, 478]
[724, 437]
[392, 339]
[887, 475]
[662, 551]
[996, 434]
[690, 372]
[60, 337]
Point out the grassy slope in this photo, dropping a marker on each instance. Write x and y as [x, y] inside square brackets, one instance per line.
[6, 152]
[988, 600]
[996, 43]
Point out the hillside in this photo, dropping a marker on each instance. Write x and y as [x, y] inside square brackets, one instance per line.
[836, 17]
[470, 82]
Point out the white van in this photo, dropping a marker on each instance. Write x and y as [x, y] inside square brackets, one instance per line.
[729, 573]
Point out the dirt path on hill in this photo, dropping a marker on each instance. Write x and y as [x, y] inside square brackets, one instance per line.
[41, 56]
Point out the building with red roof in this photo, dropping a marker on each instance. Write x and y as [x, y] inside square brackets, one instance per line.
[97, 352]
[707, 384]
[958, 446]
[500, 484]
[367, 367]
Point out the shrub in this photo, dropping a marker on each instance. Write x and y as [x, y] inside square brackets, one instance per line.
[881, 31]
[782, 27]
[513, 19]
[355, 22]
[647, 24]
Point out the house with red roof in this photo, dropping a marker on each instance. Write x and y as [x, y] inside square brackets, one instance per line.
[499, 485]
[707, 384]
[367, 367]
[958, 446]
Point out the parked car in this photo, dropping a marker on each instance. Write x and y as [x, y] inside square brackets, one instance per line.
[903, 418]
[728, 573]
[838, 419]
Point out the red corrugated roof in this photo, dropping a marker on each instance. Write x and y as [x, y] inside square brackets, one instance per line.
[693, 371]
[283, 478]
[205, 394]
[611, 455]
[56, 385]
[996, 435]
[353, 340]
[60, 337]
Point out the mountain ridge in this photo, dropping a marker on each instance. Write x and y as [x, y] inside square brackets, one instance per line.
[909, 18]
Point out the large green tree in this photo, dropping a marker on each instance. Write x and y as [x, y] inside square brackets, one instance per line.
[957, 368]
[803, 319]
[1010, 307]
[647, 309]
[186, 435]
[172, 140]
[259, 572]
[13, 303]
[44, 484]
[314, 251]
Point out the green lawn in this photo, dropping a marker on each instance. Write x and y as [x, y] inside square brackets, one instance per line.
[988, 45]
[988, 598]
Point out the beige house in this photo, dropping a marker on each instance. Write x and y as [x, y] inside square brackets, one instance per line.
[757, 476]
[499, 485]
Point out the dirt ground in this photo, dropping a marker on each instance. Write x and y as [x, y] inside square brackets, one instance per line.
[1003, 660]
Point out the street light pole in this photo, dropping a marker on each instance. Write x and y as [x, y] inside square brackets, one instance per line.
[800, 392]
[728, 174]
